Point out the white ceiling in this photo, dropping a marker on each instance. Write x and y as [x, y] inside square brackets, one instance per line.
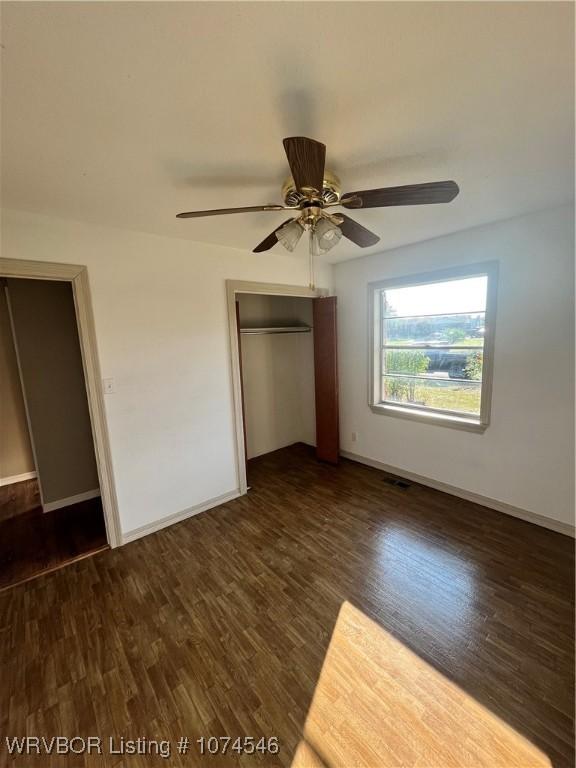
[126, 113]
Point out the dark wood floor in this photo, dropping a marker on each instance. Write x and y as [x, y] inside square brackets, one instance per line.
[221, 624]
[17, 498]
[33, 542]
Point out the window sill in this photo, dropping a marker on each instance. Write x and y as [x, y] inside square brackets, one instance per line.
[439, 419]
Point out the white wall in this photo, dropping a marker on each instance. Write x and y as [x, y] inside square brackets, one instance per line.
[525, 457]
[162, 334]
[278, 374]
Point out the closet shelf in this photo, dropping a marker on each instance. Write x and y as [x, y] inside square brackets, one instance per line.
[277, 329]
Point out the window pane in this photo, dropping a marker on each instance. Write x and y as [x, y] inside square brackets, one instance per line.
[437, 330]
[464, 295]
[444, 363]
[463, 397]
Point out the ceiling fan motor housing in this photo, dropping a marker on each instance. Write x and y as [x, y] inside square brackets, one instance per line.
[331, 190]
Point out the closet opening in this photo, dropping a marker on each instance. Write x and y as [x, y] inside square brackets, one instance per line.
[50, 500]
[284, 370]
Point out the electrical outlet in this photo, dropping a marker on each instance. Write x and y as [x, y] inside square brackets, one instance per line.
[354, 437]
[108, 386]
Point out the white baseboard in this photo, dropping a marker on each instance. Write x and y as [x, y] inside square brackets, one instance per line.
[17, 478]
[157, 525]
[59, 503]
[485, 501]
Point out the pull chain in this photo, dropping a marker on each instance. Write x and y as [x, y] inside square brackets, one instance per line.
[312, 253]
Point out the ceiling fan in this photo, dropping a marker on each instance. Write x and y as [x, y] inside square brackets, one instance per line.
[311, 190]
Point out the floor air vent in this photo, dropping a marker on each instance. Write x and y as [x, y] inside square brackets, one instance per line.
[398, 482]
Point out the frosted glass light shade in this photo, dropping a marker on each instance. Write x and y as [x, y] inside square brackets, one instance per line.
[328, 235]
[289, 235]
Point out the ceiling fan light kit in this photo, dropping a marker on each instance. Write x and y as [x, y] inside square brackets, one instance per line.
[289, 234]
[327, 233]
[311, 189]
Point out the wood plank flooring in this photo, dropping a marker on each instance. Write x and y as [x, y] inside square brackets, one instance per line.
[33, 542]
[222, 625]
[17, 498]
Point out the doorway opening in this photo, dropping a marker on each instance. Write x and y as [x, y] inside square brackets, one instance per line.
[284, 369]
[57, 503]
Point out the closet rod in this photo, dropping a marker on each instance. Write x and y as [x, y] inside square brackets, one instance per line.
[277, 329]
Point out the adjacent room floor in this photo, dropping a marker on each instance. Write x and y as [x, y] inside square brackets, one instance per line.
[33, 542]
[327, 608]
[18, 498]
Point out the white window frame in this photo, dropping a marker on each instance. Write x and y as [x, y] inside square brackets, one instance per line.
[419, 413]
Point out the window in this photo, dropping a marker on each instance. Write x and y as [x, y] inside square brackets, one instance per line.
[432, 346]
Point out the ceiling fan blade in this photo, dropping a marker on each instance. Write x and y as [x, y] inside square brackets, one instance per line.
[220, 211]
[356, 232]
[271, 240]
[306, 158]
[411, 194]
